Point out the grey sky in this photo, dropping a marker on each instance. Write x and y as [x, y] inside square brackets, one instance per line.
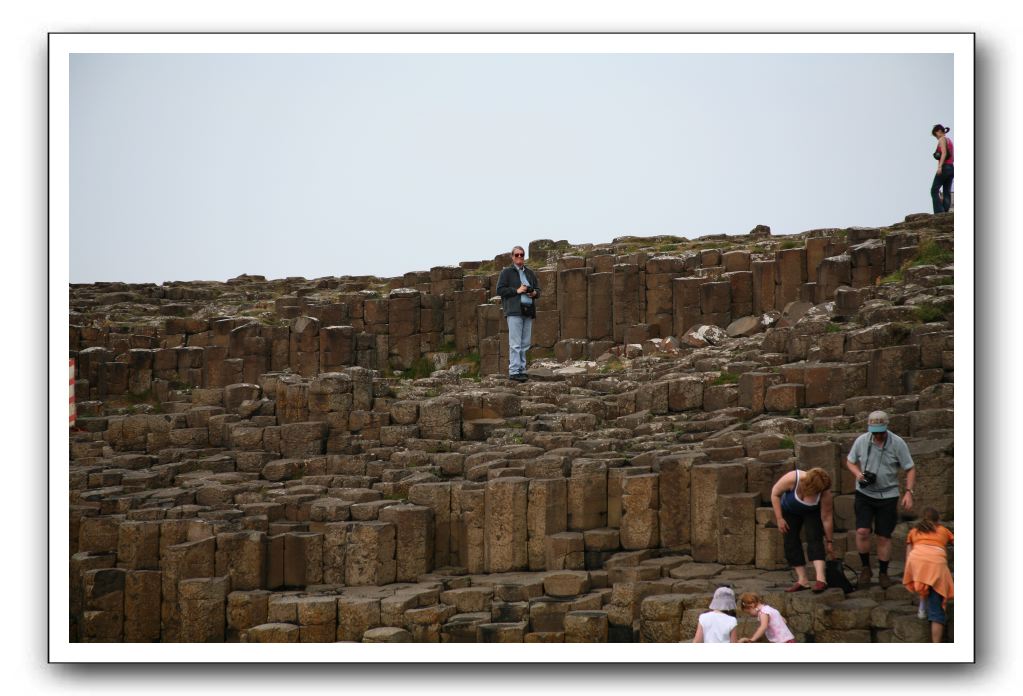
[196, 166]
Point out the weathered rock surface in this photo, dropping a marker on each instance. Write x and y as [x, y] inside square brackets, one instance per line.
[342, 459]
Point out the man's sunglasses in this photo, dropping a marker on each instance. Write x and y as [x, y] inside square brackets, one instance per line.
[517, 255]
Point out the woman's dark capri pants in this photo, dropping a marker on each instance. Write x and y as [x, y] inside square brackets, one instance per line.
[811, 520]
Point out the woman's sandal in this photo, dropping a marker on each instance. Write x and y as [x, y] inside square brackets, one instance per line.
[820, 586]
[798, 587]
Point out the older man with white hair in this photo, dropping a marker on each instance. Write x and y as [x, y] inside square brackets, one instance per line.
[875, 460]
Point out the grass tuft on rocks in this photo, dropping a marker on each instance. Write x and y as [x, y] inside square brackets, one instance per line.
[932, 254]
[893, 279]
[726, 378]
[934, 311]
[420, 368]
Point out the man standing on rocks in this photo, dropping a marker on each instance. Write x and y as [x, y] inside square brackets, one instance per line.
[518, 288]
[875, 460]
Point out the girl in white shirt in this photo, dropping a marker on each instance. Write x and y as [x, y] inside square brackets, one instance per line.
[772, 623]
[716, 626]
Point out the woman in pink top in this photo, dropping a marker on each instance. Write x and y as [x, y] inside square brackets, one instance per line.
[772, 624]
[941, 187]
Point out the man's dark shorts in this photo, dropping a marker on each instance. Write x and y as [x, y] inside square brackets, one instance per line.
[879, 514]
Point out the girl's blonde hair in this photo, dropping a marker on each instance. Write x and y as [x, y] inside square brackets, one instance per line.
[749, 599]
[814, 481]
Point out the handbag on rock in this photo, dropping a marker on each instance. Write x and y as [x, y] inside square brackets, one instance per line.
[835, 575]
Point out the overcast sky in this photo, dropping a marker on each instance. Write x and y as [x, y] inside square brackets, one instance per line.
[203, 167]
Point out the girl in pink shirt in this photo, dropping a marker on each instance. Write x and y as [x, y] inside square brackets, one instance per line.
[772, 624]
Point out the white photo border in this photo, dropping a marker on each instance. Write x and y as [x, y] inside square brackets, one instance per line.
[63, 45]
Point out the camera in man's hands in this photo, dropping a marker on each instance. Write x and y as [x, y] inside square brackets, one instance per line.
[868, 478]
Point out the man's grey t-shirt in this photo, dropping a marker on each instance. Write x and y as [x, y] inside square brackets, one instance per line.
[885, 461]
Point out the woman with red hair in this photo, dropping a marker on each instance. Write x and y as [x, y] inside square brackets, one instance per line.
[802, 500]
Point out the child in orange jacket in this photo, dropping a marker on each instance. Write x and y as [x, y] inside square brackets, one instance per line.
[926, 573]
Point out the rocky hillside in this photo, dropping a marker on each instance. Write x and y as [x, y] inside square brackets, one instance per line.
[344, 459]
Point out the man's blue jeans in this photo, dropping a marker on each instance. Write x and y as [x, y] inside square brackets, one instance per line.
[520, 335]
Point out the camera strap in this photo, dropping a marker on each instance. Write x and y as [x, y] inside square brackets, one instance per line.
[866, 462]
[870, 446]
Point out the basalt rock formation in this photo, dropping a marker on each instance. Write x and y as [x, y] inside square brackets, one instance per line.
[344, 459]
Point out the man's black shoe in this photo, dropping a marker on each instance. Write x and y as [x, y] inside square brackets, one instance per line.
[520, 377]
